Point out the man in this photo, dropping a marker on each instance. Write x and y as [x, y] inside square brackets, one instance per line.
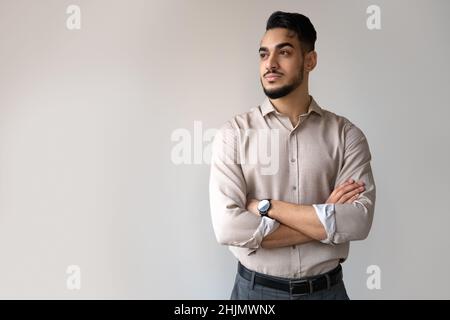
[290, 224]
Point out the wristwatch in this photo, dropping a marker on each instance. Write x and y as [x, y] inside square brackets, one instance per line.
[263, 208]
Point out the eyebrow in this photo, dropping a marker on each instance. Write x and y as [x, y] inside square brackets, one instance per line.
[278, 46]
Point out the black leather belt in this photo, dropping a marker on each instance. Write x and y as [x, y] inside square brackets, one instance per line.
[294, 286]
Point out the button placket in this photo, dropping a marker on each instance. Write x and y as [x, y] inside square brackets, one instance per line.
[292, 166]
[297, 191]
[294, 156]
[292, 182]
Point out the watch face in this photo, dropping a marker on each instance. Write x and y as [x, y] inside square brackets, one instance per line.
[263, 205]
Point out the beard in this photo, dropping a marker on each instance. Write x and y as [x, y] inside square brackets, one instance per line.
[286, 89]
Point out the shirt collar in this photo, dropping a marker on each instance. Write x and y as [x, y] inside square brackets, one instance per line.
[267, 107]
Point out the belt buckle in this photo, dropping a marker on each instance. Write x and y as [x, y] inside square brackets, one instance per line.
[295, 283]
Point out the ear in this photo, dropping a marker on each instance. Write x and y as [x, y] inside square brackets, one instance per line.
[310, 61]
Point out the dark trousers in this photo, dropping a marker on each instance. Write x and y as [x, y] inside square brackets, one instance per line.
[244, 289]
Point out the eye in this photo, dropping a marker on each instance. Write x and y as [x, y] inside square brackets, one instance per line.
[284, 52]
[262, 55]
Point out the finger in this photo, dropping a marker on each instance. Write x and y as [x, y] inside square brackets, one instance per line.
[352, 198]
[344, 197]
[339, 188]
[336, 195]
[347, 182]
[349, 188]
[349, 195]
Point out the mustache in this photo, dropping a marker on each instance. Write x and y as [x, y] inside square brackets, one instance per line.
[272, 72]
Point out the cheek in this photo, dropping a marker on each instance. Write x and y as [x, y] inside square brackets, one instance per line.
[262, 70]
[291, 67]
[291, 64]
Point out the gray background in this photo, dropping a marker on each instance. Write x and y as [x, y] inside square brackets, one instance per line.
[86, 118]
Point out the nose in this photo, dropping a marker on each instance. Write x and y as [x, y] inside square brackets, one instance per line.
[271, 63]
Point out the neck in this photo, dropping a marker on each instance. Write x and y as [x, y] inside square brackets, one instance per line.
[294, 104]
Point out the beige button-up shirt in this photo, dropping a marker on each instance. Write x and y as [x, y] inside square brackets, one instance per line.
[260, 154]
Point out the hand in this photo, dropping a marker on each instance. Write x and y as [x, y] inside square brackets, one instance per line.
[252, 206]
[347, 192]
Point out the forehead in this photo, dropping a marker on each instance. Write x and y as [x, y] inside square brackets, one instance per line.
[274, 36]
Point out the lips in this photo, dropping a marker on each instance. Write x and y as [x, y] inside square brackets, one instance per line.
[272, 76]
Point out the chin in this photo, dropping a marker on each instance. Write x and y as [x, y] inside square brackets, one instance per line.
[272, 86]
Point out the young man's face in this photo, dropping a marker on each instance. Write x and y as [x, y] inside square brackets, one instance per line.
[281, 65]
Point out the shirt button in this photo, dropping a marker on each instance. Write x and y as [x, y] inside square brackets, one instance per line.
[292, 160]
[294, 188]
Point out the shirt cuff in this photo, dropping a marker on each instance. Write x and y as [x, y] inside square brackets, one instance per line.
[268, 225]
[325, 213]
[265, 227]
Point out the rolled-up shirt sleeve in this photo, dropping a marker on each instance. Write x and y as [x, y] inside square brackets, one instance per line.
[354, 220]
[233, 224]
[351, 221]
[325, 213]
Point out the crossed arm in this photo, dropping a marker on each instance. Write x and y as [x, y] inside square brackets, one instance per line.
[299, 223]
[234, 217]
